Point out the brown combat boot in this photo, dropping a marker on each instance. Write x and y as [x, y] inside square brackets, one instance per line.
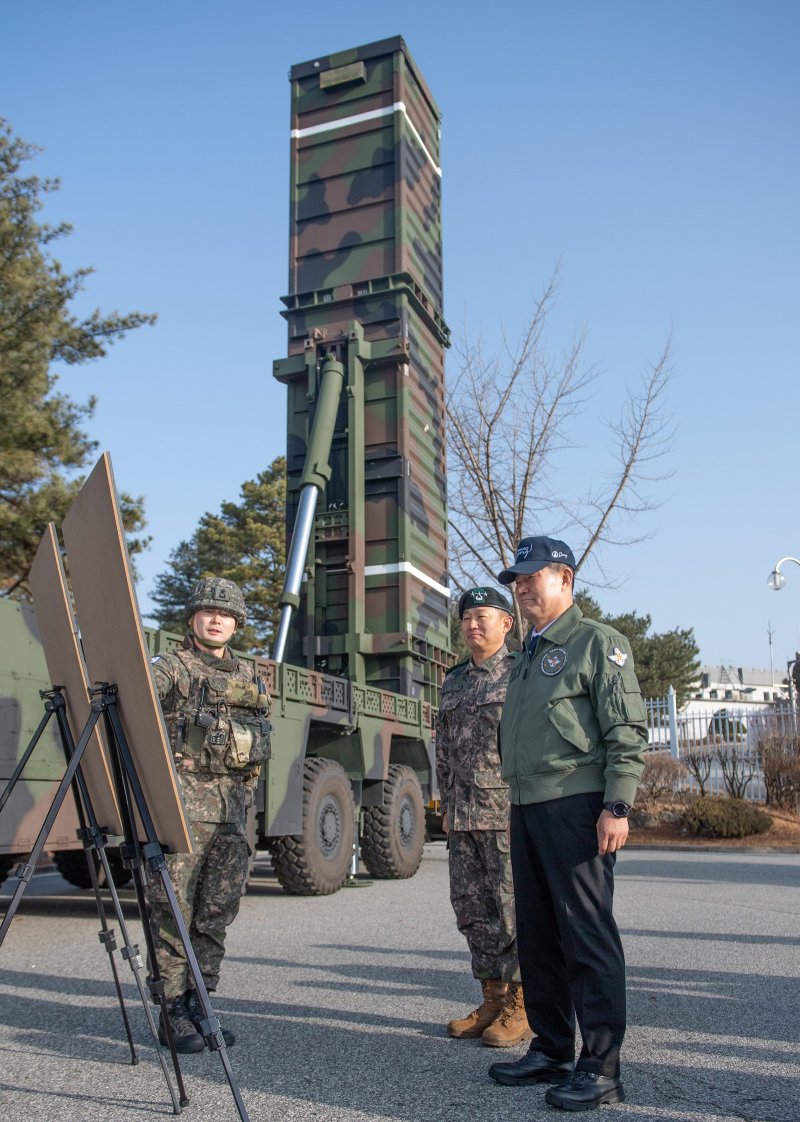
[511, 1027]
[474, 1024]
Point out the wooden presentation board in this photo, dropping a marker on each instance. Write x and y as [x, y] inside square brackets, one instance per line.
[114, 647]
[66, 668]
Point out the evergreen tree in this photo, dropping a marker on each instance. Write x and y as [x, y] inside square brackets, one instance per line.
[245, 542]
[42, 445]
[662, 660]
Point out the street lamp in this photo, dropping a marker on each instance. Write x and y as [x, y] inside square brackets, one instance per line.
[776, 580]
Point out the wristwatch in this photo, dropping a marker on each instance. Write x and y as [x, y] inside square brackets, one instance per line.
[618, 809]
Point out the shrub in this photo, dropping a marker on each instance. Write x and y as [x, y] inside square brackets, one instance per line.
[725, 818]
[738, 767]
[780, 765]
[698, 762]
[660, 776]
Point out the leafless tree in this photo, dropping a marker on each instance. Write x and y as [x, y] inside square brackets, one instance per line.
[662, 774]
[509, 418]
[738, 767]
[699, 762]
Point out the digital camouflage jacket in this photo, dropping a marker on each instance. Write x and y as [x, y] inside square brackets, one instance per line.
[467, 763]
[216, 715]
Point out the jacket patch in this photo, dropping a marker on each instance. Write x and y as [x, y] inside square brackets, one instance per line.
[554, 661]
[618, 657]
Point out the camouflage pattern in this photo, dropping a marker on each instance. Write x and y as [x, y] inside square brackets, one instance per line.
[208, 885]
[219, 593]
[475, 799]
[215, 711]
[216, 718]
[365, 285]
[473, 795]
[482, 895]
[371, 640]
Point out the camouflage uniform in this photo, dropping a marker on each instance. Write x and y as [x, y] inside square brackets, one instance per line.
[216, 717]
[475, 799]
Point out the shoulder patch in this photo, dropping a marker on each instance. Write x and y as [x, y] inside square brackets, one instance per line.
[554, 661]
[618, 657]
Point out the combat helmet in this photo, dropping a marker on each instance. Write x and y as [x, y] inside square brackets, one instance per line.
[217, 592]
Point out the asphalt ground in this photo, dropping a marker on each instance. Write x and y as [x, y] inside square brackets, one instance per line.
[339, 1004]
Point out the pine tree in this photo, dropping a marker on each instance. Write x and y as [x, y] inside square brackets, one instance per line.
[43, 447]
[662, 660]
[245, 542]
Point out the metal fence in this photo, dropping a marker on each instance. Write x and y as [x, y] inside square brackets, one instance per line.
[721, 741]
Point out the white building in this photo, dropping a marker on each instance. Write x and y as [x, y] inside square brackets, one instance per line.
[739, 685]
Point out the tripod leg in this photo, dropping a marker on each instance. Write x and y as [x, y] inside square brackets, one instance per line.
[18, 770]
[25, 871]
[129, 789]
[95, 842]
[106, 934]
[210, 1026]
[130, 952]
[156, 985]
[131, 852]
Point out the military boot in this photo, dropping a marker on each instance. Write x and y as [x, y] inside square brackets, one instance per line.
[476, 1022]
[186, 1037]
[195, 1011]
[511, 1027]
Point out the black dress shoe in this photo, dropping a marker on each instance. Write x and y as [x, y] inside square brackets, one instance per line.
[585, 1090]
[533, 1067]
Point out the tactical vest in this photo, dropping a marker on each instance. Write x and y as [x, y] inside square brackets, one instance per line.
[216, 714]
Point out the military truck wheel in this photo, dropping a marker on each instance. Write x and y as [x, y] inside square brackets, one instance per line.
[71, 863]
[316, 862]
[394, 834]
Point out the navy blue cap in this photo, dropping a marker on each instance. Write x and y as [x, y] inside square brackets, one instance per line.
[534, 554]
[483, 598]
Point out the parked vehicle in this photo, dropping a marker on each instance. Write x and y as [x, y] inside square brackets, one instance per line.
[364, 639]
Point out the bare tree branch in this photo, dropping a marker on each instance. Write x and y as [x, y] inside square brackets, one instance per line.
[509, 420]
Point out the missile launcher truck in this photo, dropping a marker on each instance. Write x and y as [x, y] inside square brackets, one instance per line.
[364, 639]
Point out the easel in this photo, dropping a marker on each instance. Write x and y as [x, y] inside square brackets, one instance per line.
[142, 804]
[94, 838]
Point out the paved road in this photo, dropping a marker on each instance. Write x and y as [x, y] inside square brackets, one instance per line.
[339, 1004]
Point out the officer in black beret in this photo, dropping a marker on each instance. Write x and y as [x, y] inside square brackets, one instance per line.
[475, 815]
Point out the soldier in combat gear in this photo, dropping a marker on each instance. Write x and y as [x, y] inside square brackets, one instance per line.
[216, 714]
[475, 815]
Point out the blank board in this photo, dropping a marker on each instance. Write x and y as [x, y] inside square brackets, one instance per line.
[114, 647]
[66, 668]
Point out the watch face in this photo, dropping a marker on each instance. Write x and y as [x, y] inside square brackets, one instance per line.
[620, 810]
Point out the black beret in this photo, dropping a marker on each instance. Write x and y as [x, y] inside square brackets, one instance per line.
[483, 598]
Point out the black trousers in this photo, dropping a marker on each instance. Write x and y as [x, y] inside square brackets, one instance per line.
[570, 953]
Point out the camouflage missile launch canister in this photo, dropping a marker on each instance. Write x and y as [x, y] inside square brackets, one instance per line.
[365, 288]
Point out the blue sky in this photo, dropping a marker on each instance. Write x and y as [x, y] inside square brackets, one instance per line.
[651, 148]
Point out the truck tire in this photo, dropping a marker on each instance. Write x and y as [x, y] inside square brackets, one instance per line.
[71, 863]
[394, 834]
[316, 862]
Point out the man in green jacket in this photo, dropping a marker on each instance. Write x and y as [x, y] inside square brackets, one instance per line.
[572, 740]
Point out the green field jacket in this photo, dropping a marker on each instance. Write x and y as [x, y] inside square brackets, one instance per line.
[573, 720]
